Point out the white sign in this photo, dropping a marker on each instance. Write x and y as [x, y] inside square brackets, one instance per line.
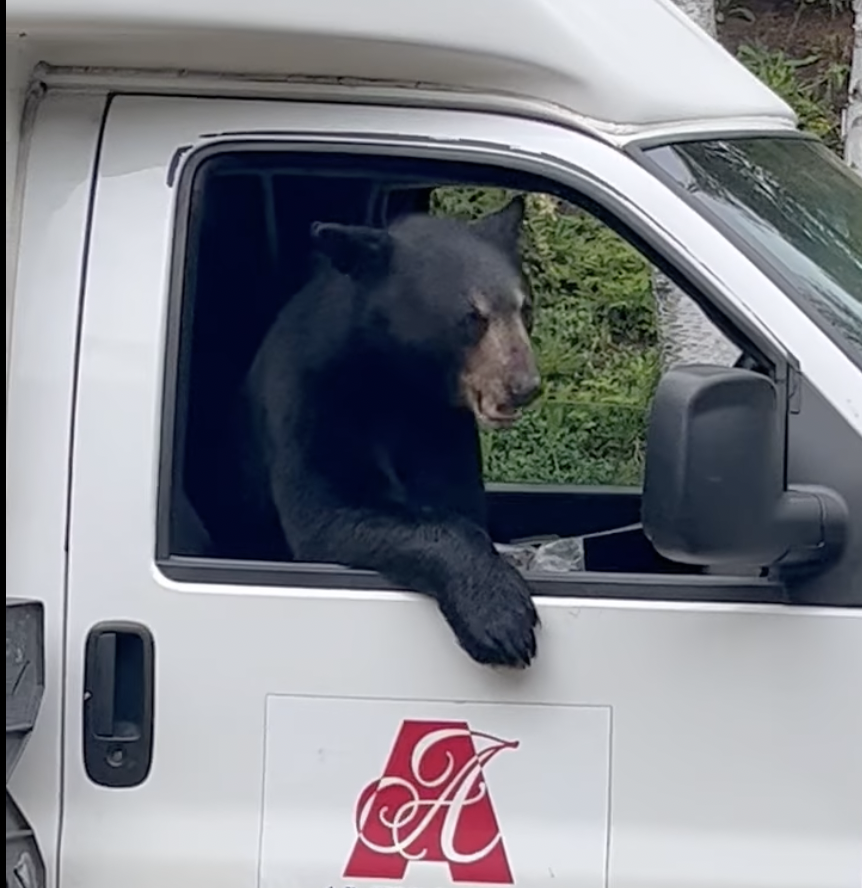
[422, 794]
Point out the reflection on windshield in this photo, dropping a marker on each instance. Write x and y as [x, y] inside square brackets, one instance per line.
[796, 205]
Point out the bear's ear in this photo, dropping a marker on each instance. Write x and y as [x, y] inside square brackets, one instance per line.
[354, 250]
[503, 228]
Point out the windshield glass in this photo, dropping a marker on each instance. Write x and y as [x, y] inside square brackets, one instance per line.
[796, 206]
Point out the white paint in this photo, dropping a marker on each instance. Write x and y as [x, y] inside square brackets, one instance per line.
[182, 82]
[550, 794]
[736, 730]
[17, 72]
[659, 69]
[38, 417]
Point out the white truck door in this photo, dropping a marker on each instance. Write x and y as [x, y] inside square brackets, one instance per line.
[233, 724]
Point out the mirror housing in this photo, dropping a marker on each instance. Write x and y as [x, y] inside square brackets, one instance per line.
[714, 490]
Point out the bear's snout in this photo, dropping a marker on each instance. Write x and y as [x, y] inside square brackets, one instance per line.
[524, 388]
[501, 375]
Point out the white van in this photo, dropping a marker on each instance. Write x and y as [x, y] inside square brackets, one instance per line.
[693, 718]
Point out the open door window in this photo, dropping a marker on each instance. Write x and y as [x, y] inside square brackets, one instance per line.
[564, 487]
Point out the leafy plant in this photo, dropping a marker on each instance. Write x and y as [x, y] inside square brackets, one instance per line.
[726, 9]
[834, 7]
[813, 98]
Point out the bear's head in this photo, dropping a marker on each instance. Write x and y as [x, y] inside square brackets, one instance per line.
[445, 302]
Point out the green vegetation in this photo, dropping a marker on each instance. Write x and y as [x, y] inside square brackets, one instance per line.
[814, 88]
[595, 332]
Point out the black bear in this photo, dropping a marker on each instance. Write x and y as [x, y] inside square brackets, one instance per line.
[364, 399]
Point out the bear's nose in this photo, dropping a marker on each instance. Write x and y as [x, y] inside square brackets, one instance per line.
[524, 389]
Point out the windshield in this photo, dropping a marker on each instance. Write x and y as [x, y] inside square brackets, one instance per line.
[796, 207]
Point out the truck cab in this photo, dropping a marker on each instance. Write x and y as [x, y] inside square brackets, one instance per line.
[195, 716]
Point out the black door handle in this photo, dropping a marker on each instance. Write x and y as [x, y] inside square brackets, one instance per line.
[118, 703]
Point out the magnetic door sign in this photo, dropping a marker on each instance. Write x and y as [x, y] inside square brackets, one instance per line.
[407, 793]
[432, 804]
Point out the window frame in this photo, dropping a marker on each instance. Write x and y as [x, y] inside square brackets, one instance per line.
[576, 185]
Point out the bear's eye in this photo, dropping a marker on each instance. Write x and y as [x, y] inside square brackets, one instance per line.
[476, 323]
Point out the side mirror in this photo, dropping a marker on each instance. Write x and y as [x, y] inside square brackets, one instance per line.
[714, 488]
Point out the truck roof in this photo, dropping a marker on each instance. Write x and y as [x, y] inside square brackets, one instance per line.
[616, 65]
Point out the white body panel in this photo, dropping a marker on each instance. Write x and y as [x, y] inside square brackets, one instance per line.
[40, 384]
[734, 753]
[566, 54]
[18, 65]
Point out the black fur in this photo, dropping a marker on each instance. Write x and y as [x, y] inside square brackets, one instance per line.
[361, 452]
